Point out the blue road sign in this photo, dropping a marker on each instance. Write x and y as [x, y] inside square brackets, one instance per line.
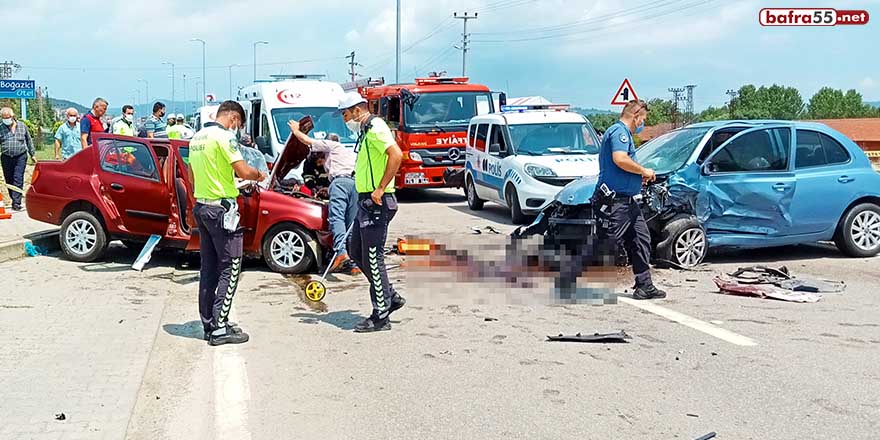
[18, 88]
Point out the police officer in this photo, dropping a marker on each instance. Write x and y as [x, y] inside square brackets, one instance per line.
[624, 177]
[378, 159]
[125, 124]
[215, 160]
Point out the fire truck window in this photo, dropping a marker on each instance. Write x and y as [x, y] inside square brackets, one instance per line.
[482, 134]
[393, 110]
[483, 106]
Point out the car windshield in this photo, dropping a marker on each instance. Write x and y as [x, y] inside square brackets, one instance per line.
[561, 138]
[446, 109]
[325, 123]
[670, 151]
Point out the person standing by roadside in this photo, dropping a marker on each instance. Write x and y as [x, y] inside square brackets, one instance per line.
[15, 146]
[343, 195]
[378, 159]
[185, 131]
[67, 137]
[155, 126]
[125, 126]
[215, 160]
[91, 122]
[624, 177]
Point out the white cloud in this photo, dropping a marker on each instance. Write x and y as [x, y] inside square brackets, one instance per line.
[352, 36]
[867, 83]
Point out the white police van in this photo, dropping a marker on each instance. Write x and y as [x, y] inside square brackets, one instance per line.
[522, 156]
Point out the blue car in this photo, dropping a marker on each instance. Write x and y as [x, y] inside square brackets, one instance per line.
[745, 184]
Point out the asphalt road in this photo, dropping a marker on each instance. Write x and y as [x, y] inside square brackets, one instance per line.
[119, 352]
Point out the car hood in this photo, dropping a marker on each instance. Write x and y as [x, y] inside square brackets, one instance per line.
[578, 192]
[567, 165]
[294, 153]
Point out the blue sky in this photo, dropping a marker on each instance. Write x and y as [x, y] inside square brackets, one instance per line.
[584, 48]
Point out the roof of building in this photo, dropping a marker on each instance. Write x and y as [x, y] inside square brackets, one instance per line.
[857, 129]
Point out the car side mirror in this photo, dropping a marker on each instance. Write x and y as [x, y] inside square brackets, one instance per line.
[263, 145]
[709, 168]
[495, 149]
[502, 99]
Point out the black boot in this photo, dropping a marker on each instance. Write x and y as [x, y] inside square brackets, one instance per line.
[373, 324]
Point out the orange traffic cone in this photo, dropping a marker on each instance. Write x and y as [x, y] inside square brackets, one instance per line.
[3, 214]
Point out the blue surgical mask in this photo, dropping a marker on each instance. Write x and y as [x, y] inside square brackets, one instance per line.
[640, 127]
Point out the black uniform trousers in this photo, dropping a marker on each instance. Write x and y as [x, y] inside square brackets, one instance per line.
[628, 227]
[366, 247]
[221, 252]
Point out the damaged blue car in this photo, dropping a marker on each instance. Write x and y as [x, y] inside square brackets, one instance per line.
[741, 184]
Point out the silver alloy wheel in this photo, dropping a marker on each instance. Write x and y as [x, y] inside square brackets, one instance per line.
[690, 247]
[81, 237]
[865, 230]
[287, 249]
[471, 193]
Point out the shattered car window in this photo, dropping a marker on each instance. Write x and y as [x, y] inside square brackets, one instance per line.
[255, 159]
[670, 151]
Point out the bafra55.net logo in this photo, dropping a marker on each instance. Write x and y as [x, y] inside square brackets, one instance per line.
[811, 17]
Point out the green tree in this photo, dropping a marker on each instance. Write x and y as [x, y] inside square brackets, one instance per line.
[601, 121]
[830, 103]
[774, 102]
[714, 114]
[660, 111]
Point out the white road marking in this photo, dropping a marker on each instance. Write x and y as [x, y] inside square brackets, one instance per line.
[231, 394]
[694, 323]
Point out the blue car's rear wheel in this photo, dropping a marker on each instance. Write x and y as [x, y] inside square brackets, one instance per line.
[859, 233]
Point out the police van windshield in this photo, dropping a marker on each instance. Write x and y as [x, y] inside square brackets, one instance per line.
[547, 139]
[441, 110]
[325, 123]
[670, 151]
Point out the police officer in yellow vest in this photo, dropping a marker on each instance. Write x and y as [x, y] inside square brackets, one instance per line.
[378, 159]
[215, 160]
[125, 125]
[174, 131]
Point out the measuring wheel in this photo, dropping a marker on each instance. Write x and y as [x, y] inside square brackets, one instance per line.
[315, 291]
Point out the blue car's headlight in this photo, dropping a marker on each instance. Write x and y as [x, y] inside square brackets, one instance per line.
[535, 170]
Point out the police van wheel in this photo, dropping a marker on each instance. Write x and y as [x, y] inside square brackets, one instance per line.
[683, 242]
[516, 214]
[470, 191]
[287, 250]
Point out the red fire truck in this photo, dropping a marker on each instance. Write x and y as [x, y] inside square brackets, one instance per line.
[429, 119]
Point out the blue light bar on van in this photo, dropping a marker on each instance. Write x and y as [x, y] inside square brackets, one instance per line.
[514, 108]
[522, 108]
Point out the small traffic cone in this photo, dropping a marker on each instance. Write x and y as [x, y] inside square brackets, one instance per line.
[3, 214]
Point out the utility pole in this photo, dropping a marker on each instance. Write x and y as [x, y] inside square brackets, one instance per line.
[172, 83]
[353, 64]
[464, 39]
[185, 104]
[397, 49]
[204, 72]
[8, 68]
[676, 97]
[731, 105]
[689, 108]
[231, 96]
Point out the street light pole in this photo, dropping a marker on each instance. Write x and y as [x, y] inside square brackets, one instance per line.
[185, 104]
[148, 88]
[172, 83]
[397, 64]
[255, 57]
[230, 80]
[204, 72]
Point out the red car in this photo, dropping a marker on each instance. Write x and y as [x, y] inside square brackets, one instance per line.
[126, 188]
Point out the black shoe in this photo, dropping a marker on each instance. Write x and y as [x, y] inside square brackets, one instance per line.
[373, 324]
[230, 325]
[397, 303]
[17, 208]
[648, 292]
[230, 337]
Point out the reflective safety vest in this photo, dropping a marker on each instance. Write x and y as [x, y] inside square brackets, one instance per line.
[122, 127]
[174, 132]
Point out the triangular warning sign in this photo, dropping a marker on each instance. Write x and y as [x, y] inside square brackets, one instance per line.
[625, 94]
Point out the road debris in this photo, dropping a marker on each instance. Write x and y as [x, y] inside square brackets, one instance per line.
[707, 436]
[776, 283]
[616, 337]
[60, 416]
[490, 319]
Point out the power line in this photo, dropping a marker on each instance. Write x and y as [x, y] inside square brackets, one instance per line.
[689, 109]
[464, 39]
[614, 25]
[676, 97]
[132, 68]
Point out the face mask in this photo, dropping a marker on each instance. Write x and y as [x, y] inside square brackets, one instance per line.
[640, 127]
[129, 118]
[354, 126]
[7, 121]
[71, 119]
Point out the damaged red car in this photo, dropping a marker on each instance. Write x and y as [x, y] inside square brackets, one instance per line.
[126, 188]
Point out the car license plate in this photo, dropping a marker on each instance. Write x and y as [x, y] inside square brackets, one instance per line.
[416, 179]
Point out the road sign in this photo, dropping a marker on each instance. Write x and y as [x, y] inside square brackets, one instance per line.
[625, 94]
[210, 97]
[18, 88]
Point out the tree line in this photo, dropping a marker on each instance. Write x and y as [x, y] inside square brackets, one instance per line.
[750, 102]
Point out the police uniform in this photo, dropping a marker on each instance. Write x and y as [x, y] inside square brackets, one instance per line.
[366, 244]
[213, 150]
[626, 224]
[124, 128]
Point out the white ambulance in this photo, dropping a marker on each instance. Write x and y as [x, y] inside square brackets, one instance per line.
[522, 156]
[271, 104]
[205, 114]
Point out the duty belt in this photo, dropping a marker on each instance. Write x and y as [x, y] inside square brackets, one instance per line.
[212, 202]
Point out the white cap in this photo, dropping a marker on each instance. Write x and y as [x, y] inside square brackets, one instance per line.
[179, 116]
[350, 100]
